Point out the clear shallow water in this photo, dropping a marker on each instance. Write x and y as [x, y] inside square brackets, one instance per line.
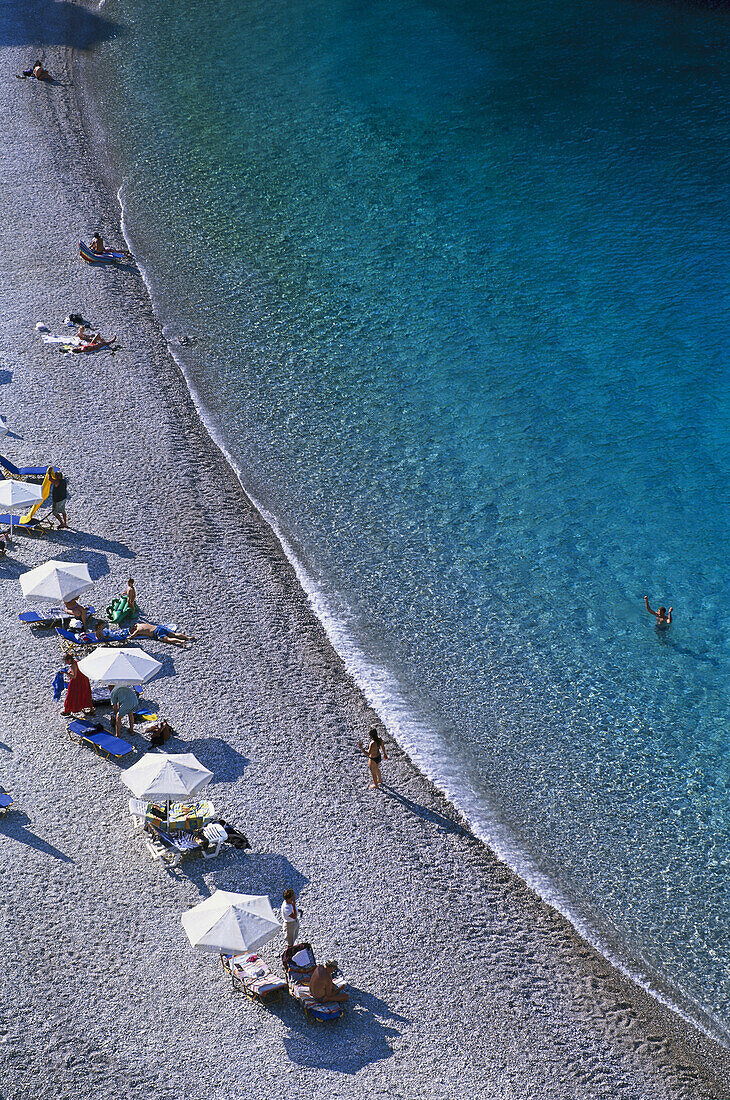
[457, 279]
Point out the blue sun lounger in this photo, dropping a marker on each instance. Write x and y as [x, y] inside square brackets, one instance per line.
[24, 471]
[13, 521]
[101, 741]
[83, 637]
[6, 801]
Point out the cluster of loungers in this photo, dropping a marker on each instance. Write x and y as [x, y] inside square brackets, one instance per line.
[249, 974]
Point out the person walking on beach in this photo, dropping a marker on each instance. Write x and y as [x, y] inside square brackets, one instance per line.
[662, 616]
[124, 701]
[290, 918]
[78, 697]
[375, 752]
[59, 495]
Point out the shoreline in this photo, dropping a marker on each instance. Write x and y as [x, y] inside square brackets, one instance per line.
[292, 647]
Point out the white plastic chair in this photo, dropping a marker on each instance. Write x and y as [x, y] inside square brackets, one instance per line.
[138, 812]
[214, 834]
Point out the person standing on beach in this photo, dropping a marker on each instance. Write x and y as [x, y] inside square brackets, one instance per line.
[124, 701]
[59, 495]
[662, 616]
[375, 752]
[290, 918]
[78, 697]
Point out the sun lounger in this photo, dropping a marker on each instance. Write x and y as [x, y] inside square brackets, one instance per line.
[24, 471]
[6, 801]
[48, 616]
[100, 740]
[251, 975]
[84, 637]
[36, 526]
[299, 962]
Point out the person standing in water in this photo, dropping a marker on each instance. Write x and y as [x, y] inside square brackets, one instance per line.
[375, 752]
[662, 616]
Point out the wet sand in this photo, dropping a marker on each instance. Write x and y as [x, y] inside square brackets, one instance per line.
[463, 982]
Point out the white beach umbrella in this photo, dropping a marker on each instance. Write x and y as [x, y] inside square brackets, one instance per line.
[119, 666]
[18, 494]
[164, 776]
[233, 923]
[55, 581]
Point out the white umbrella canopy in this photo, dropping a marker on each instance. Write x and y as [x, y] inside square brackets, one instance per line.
[55, 581]
[233, 923]
[15, 494]
[164, 776]
[107, 665]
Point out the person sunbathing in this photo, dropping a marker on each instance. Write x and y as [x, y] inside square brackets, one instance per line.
[40, 73]
[89, 340]
[77, 610]
[322, 987]
[97, 244]
[160, 633]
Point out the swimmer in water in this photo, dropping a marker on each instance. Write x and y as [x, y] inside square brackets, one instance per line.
[662, 616]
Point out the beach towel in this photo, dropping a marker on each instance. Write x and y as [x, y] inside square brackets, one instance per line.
[45, 489]
[63, 341]
[59, 685]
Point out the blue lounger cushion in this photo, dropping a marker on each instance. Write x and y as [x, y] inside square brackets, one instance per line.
[82, 637]
[24, 471]
[5, 801]
[13, 520]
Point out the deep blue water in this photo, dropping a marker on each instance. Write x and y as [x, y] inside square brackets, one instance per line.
[457, 279]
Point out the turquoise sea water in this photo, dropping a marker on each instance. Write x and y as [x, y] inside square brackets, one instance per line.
[457, 279]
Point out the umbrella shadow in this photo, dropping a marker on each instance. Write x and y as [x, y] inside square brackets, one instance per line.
[248, 872]
[11, 567]
[5, 377]
[441, 821]
[226, 763]
[13, 825]
[368, 1038]
[8, 748]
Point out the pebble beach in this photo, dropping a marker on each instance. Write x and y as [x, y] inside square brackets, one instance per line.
[463, 982]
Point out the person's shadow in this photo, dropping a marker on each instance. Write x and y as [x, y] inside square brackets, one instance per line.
[445, 824]
[363, 1037]
[13, 825]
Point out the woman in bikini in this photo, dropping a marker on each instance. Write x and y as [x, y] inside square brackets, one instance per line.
[375, 752]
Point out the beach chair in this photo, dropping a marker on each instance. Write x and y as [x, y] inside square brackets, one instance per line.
[101, 741]
[6, 801]
[138, 812]
[216, 835]
[299, 962]
[251, 975]
[105, 257]
[23, 471]
[168, 848]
